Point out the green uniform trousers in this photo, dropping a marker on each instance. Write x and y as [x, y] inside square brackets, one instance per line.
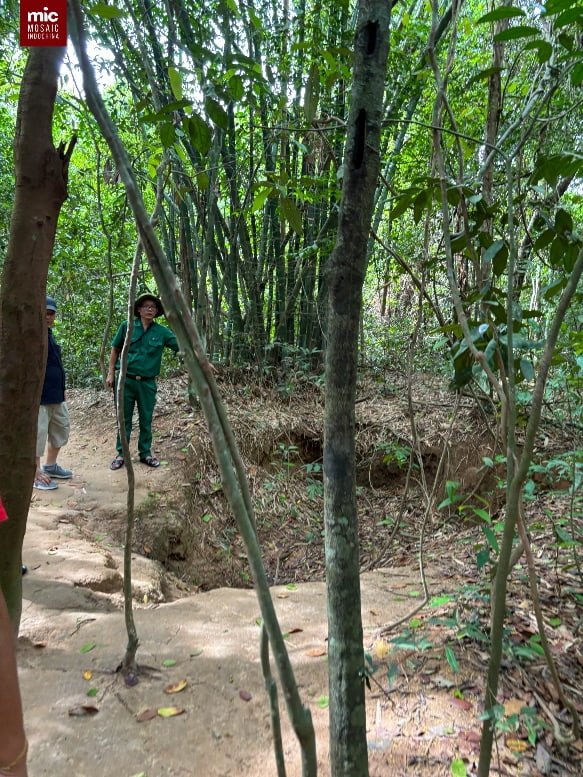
[143, 394]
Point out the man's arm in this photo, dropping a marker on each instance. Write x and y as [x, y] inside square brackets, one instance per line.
[113, 356]
[171, 341]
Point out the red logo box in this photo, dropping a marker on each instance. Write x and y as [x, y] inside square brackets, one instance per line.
[43, 22]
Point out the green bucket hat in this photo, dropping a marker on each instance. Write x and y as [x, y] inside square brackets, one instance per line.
[142, 298]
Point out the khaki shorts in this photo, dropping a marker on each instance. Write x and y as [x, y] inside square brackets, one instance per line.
[53, 424]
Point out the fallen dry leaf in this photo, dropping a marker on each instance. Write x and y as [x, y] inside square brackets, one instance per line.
[316, 652]
[381, 649]
[470, 738]
[176, 687]
[82, 710]
[461, 704]
[88, 675]
[513, 706]
[170, 712]
[245, 695]
[516, 745]
[147, 714]
[295, 631]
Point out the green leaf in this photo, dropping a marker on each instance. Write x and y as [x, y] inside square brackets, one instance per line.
[552, 167]
[312, 92]
[438, 601]
[482, 558]
[563, 221]
[483, 75]
[491, 537]
[168, 662]
[451, 659]
[88, 647]
[544, 239]
[92, 693]
[403, 202]
[500, 261]
[458, 768]
[552, 7]
[175, 78]
[567, 41]
[254, 19]
[420, 203]
[236, 87]
[260, 198]
[543, 48]
[554, 288]
[216, 113]
[200, 134]
[459, 241]
[514, 33]
[291, 214]
[107, 11]
[557, 252]
[323, 702]
[577, 74]
[505, 12]
[568, 16]
[491, 252]
[163, 113]
[202, 180]
[167, 135]
[483, 514]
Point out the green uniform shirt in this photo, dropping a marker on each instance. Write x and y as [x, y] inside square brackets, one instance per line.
[145, 354]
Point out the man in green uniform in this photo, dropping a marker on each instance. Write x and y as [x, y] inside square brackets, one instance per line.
[144, 359]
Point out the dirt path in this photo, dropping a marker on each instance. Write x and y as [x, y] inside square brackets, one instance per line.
[82, 719]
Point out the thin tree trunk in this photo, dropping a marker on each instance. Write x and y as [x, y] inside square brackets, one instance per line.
[348, 748]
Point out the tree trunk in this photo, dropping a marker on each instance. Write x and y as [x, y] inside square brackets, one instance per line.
[348, 749]
[41, 189]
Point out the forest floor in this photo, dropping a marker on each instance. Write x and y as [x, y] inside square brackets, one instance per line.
[197, 618]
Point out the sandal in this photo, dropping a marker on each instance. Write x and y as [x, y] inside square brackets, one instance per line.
[117, 463]
[150, 461]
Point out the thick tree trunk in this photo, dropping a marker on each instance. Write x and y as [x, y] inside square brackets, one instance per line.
[41, 189]
[348, 748]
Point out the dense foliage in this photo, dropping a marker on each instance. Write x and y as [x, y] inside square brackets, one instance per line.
[245, 108]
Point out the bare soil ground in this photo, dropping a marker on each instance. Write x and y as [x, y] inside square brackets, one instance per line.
[197, 617]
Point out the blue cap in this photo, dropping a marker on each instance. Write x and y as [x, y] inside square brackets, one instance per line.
[51, 304]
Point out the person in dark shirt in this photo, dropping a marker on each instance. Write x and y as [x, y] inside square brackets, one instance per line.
[53, 416]
[144, 360]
